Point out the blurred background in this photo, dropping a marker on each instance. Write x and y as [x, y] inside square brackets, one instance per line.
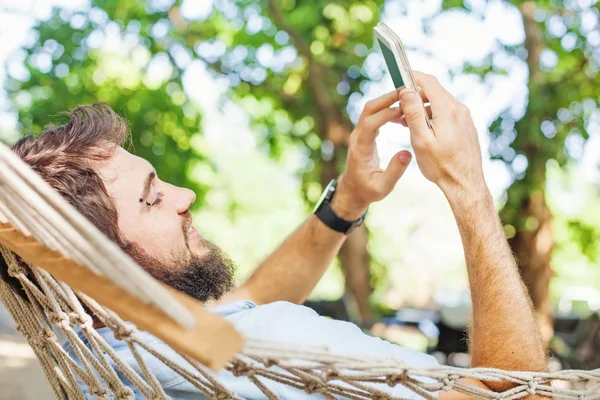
[250, 103]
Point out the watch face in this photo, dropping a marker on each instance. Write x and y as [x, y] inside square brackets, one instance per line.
[327, 193]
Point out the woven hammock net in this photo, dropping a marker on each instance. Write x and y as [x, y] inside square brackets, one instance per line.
[41, 304]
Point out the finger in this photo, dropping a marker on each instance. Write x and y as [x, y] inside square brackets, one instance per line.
[375, 105]
[423, 95]
[439, 98]
[427, 109]
[415, 114]
[400, 121]
[369, 127]
[395, 170]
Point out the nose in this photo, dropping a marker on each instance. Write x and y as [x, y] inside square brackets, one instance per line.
[185, 198]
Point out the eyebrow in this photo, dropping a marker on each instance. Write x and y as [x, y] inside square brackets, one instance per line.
[147, 184]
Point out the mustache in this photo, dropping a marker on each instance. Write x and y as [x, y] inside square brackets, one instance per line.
[186, 220]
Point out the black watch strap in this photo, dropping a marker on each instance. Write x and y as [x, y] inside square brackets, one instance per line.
[330, 218]
[326, 214]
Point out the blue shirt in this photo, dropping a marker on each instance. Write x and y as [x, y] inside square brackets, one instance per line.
[281, 322]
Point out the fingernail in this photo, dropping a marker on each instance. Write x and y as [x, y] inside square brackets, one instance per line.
[404, 158]
[408, 95]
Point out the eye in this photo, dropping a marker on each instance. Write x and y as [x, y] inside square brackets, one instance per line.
[158, 199]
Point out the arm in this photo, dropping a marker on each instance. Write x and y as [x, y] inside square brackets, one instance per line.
[295, 267]
[504, 333]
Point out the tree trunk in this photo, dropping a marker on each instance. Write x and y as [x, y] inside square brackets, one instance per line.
[355, 261]
[533, 247]
[355, 264]
[334, 126]
[533, 242]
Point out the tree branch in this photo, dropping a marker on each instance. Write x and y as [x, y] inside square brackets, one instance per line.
[284, 26]
[533, 41]
[331, 117]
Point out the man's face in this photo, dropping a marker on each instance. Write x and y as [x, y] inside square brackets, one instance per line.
[154, 217]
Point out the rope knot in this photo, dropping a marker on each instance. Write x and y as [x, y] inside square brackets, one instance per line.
[240, 368]
[222, 395]
[123, 333]
[331, 374]
[448, 382]
[99, 391]
[315, 385]
[394, 379]
[533, 384]
[60, 319]
[269, 362]
[124, 393]
[37, 341]
[79, 319]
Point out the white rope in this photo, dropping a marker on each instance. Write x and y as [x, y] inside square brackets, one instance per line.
[314, 370]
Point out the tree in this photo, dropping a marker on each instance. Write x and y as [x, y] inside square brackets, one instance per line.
[562, 53]
[68, 63]
[291, 65]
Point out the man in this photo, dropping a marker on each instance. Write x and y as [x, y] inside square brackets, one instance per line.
[121, 194]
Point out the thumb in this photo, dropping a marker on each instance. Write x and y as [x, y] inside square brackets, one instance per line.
[414, 112]
[396, 168]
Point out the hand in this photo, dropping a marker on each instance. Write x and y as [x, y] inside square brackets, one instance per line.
[363, 182]
[448, 154]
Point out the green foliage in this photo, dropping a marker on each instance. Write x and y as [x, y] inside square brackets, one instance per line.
[272, 51]
[266, 50]
[575, 205]
[587, 237]
[563, 96]
[450, 4]
[66, 66]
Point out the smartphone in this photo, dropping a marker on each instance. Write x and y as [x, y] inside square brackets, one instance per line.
[396, 60]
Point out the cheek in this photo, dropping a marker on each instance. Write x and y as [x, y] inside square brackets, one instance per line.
[159, 237]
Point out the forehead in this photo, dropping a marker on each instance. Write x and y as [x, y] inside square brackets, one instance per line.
[124, 170]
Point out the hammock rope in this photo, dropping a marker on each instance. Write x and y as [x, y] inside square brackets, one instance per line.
[44, 304]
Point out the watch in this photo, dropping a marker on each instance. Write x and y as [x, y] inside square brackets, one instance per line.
[326, 214]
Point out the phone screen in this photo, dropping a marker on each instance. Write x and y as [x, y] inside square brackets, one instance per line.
[390, 61]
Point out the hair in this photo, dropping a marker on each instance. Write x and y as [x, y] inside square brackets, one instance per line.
[63, 156]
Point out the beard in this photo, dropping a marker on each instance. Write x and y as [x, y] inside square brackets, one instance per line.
[204, 278]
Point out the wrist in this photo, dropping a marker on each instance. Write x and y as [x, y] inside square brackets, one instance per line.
[471, 186]
[345, 205]
[470, 195]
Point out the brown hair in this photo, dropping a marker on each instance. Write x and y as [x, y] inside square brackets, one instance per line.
[63, 156]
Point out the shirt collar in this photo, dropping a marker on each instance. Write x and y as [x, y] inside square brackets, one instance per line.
[231, 308]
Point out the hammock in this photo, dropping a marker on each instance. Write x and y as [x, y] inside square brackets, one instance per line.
[58, 265]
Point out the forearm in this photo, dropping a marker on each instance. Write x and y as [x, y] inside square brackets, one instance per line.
[292, 271]
[504, 333]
